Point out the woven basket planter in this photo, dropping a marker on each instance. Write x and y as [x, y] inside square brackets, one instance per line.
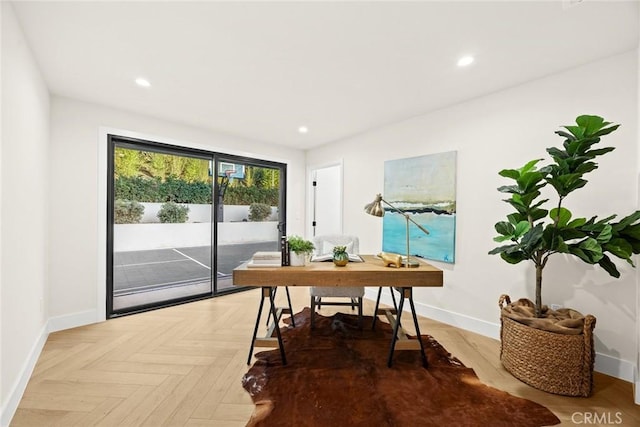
[551, 362]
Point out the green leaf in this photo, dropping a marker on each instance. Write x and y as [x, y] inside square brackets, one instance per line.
[529, 166]
[516, 217]
[609, 266]
[559, 245]
[565, 134]
[516, 203]
[501, 239]
[528, 198]
[606, 131]
[509, 173]
[619, 247]
[627, 221]
[586, 167]
[605, 235]
[504, 228]
[501, 249]
[574, 147]
[591, 124]
[576, 223]
[632, 231]
[574, 250]
[532, 238]
[592, 249]
[601, 151]
[521, 228]
[528, 181]
[597, 227]
[514, 257]
[576, 131]
[569, 233]
[590, 245]
[557, 153]
[537, 214]
[560, 216]
[509, 189]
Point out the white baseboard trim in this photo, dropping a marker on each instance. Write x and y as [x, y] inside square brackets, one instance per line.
[18, 388]
[68, 321]
[636, 386]
[618, 368]
[622, 369]
[487, 329]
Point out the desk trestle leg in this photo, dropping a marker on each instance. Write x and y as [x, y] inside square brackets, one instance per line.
[276, 314]
[375, 311]
[400, 340]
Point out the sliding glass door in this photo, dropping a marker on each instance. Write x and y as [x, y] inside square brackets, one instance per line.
[160, 214]
[250, 212]
[180, 220]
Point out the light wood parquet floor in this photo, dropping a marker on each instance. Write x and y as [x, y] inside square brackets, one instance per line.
[181, 366]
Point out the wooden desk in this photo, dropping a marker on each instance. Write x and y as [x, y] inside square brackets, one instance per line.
[371, 272]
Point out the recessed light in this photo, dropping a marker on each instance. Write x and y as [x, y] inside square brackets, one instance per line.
[142, 82]
[465, 60]
[303, 129]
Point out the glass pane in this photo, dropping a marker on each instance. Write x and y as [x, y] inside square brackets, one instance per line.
[248, 215]
[162, 227]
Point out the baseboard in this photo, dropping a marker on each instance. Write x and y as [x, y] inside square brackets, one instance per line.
[18, 388]
[462, 321]
[636, 386]
[618, 368]
[622, 369]
[68, 321]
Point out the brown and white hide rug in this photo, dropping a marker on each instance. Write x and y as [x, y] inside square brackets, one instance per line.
[337, 375]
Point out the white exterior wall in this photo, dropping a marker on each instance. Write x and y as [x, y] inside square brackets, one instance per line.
[202, 213]
[24, 237]
[505, 130]
[142, 237]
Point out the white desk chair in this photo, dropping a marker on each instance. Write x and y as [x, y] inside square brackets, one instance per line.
[324, 245]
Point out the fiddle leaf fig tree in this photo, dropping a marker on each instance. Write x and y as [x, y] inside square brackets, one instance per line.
[534, 232]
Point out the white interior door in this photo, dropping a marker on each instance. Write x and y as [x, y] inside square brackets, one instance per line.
[326, 190]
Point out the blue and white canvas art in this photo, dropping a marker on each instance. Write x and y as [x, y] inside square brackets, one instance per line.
[425, 188]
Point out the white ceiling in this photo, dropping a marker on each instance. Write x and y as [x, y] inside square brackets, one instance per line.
[259, 70]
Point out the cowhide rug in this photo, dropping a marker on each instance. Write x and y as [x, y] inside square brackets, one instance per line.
[337, 375]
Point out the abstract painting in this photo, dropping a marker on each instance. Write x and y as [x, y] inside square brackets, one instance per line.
[425, 188]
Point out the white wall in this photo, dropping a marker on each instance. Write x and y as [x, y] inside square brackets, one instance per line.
[78, 178]
[504, 130]
[24, 233]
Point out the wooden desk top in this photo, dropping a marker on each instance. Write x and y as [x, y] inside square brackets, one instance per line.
[371, 272]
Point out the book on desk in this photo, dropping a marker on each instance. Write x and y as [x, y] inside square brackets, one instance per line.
[265, 259]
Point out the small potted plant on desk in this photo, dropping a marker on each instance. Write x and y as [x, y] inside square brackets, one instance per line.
[340, 256]
[300, 249]
[547, 349]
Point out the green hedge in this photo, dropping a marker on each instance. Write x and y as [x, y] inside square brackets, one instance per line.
[154, 190]
[249, 195]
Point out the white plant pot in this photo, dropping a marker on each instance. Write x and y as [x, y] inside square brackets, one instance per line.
[297, 260]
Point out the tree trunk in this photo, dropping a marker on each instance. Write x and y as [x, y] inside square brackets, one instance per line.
[539, 290]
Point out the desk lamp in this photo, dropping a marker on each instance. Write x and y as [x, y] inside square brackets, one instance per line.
[375, 208]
